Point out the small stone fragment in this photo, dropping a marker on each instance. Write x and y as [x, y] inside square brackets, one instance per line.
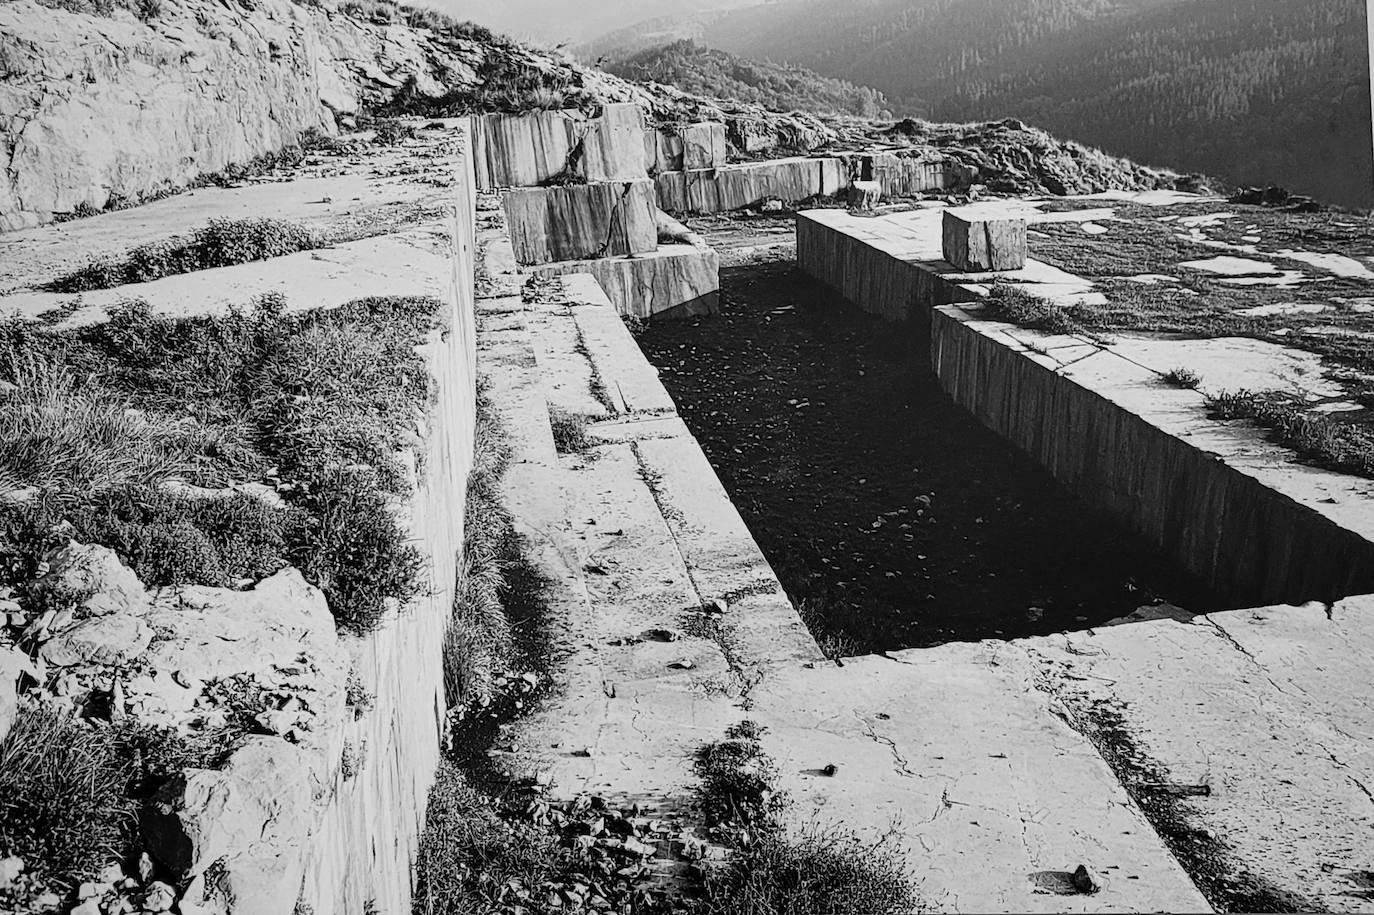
[159, 898]
[1085, 881]
[10, 869]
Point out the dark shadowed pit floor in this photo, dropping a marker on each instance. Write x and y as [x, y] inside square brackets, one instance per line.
[891, 517]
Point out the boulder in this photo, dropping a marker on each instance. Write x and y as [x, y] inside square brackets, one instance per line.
[982, 241]
[13, 665]
[259, 803]
[114, 641]
[209, 633]
[96, 572]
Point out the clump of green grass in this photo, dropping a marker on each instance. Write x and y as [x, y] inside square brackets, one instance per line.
[1324, 441]
[569, 431]
[478, 638]
[322, 403]
[472, 859]
[834, 640]
[222, 243]
[1182, 377]
[68, 438]
[738, 779]
[821, 869]
[70, 788]
[1006, 302]
[63, 805]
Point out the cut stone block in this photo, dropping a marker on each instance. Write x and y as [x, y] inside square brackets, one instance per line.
[977, 241]
[528, 150]
[738, 186]
[673, 149]
[681, 280]
[906, 176]
[582, 221]
[611, 145]
[865, 195]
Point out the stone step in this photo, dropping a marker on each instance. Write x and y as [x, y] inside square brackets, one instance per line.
[958, 754]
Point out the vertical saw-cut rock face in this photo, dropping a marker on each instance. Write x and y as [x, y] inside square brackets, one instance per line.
[529, 150]
[980, 242]
[672, 149]
[582, 221]
[749, 184]
[95, 109]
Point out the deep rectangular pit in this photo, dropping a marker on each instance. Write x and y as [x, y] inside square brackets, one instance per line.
[890, 515]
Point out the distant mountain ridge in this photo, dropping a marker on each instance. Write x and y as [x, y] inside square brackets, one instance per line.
[1253, 91]
[781, 87]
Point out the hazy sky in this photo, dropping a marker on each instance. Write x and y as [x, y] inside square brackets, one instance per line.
[574, 21]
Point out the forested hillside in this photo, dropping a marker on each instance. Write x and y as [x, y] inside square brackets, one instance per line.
[1253, 91]
[782, 87]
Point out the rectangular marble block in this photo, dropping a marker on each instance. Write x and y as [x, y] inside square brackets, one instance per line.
[672, 149]
[676, 281]
[528, 150]
[749, 184]
[983, 242]
[582, 221]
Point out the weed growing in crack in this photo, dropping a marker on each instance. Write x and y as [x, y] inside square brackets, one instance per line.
[1323, 441]
[1006, 302]
[569, 431]
[1182, 377]
[819, 868]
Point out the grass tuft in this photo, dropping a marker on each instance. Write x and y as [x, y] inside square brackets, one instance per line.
[569, 431]
[1182, 377]
[69, 439]
[1015, 305]
[1319, 439]
[63, 805]
[821, 869]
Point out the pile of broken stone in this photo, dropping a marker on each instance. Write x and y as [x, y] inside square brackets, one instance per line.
[113, 890]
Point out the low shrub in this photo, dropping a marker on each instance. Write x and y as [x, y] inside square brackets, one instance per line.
[221, 243]
[176, 539]
[323, 402]
[822, 869]
[351, 548]
[775, 872]
[738, 779]
[1182, 378]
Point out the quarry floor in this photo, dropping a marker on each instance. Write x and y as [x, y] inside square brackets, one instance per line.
[892, 518]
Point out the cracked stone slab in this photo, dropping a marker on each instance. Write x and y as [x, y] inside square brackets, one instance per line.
[1268, 711]
[990, 791]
